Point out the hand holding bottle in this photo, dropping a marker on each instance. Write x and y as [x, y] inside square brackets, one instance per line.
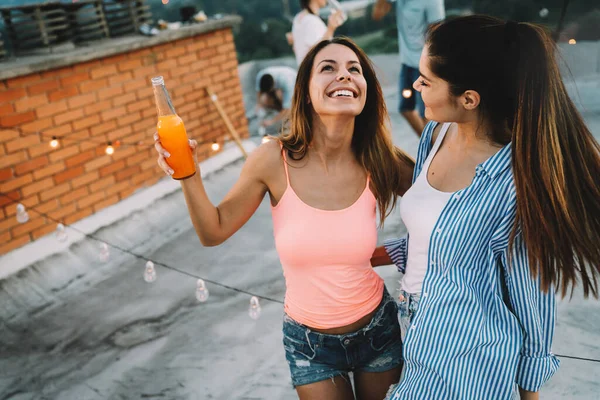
[163, 154]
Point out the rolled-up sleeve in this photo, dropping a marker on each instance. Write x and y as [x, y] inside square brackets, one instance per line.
[536, 312]
[397, 250]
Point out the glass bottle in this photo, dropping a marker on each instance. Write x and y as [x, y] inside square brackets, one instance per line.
[172, 134]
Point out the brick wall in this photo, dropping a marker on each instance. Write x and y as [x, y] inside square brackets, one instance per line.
[90, 103]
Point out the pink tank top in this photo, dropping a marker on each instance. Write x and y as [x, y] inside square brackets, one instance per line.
[326, 259]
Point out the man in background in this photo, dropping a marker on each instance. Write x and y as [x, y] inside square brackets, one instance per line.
[274, 92]
[412, 18]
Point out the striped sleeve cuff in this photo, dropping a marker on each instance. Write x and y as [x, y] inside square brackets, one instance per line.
[534, 372]
[397, 250]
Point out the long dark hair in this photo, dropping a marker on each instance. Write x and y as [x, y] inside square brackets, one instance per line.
[371, 141]
[304, 4]
[555, 159]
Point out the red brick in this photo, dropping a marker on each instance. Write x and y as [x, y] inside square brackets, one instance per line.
[74, 195]
[75, 78]
[124, 99]
[80, 158]
[30, 102]
[145, 72]
[9, 198]
[97, 163]
[12, 94]
[110, 92]
[105, 203]
[129, 119]
[52, 109]
[116, 188]
[103, 71]
[96, 107]
[136, 159]
[86, 122]
[85, 179]
[79, 215]
[103, 128]
[43, 87]
[37, 187]
[58, 73]
[68, 116]
[23, 81]
[68, 175]
[101, 184]
[16, 183]
[139, 105]
[109, 169]
[14, 244]
[55, 191]
[33, 223]
[62, 212]
[66, 152]
[119, 58]
[130, 64]
[6, 174]
[127, 172]
[82, 100]
[120, 78]
[22, 142]
[43, 231]
[17, 119]
[91, 199]
[63, 93]
[28, 166]
[92, 86]
[113, 113]
[49, 170]
[6, 108]
[37, 125]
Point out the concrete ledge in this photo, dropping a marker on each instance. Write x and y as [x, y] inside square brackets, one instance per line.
[46, 246]
[12, 68]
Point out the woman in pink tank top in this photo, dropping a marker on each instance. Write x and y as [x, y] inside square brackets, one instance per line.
[325, 178]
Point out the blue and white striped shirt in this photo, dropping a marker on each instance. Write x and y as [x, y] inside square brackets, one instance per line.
[482, 326]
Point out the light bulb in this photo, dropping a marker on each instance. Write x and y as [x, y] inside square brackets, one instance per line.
[266, 138]
[214, 97]
[544, 12]
[572, 41]
[201, 291]
[104, 252]
[22, 215]
[254, 310]
[54, 142]
[61, 233]
[110, 150]
[215, 146]
[149, 272]
[407, 93]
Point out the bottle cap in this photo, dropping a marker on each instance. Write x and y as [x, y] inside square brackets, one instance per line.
[158, 80]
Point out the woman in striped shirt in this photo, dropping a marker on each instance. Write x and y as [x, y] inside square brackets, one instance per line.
[504, 210]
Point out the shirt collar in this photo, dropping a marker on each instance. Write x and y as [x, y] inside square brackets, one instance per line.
[497, 163]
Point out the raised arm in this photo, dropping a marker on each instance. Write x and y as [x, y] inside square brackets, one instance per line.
[213, 224]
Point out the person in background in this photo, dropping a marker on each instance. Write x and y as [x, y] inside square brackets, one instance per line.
[412, 18]
[504, 211]
[274, 92]
[309, 29]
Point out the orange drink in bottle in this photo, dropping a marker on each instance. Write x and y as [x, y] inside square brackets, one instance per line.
[172, 134]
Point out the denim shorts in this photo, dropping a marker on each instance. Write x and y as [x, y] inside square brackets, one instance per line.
[408, 76]
[314, 357]
[408, 304]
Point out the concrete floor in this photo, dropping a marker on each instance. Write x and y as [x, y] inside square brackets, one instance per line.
[73, 327]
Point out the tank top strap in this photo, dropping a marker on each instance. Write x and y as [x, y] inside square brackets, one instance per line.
[285, 164]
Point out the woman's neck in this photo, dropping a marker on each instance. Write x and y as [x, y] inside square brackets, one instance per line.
[332, 140]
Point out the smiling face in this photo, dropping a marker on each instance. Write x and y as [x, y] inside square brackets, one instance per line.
[337, 85]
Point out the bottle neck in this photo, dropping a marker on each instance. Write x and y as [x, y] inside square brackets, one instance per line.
[164, 106]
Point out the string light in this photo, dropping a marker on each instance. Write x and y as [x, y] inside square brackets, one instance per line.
[61, 233]
[104, 252]
[22, 215]
[266, 139]
[407, 93]
[201, 291]
[572, 41]
[54, 142]
[150, 272]
[544, 12]
[255, 309]
[215, 146]
[110, 150]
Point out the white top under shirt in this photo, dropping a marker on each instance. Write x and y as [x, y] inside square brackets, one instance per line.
[307, 29]
[420, 209]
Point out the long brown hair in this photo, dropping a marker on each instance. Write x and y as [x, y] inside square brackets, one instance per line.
[555, 159]
[371, 141]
